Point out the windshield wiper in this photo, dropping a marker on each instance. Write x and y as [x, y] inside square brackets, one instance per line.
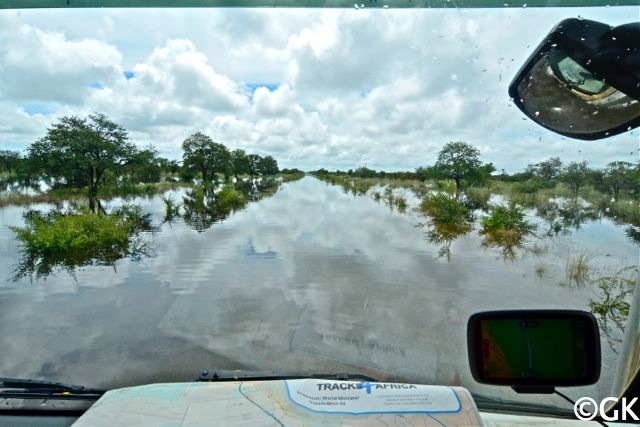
[491, 404]
[239, 375]
[37, 389]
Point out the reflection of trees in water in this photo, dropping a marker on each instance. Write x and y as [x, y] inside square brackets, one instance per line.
[633, 233]
[204, 206]
[611, 306]
[506, 227]
[448, 220]
[509, 241]
[444, 234]
[561, 216]
[19, 184]
[66, 240]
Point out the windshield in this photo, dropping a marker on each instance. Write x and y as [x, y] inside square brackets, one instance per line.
[157, 221]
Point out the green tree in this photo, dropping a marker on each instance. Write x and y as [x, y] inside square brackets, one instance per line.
[268, 166]
[549, 169]
[240, 162]
[10, 160]
[617, 175]
[145, 165]
[575, 174]
[81, 150]
[460, 162]
[206, 156]
[254, 164]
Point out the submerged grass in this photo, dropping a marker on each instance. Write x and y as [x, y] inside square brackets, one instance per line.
[578, 269]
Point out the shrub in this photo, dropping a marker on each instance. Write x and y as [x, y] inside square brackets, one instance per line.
[445, 209]
[230, 198]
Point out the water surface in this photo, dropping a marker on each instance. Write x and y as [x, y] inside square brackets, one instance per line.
[312, 279]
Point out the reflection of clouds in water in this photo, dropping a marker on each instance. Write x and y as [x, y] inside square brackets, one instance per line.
[352, 284]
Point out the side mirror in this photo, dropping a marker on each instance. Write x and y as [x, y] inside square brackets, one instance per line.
[583, 80]
[534, 351]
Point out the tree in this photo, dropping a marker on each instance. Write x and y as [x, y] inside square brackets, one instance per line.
[10, 160]
[460, 162]
[575, 175]
[240, 162]
[254, 164]
[145, 165]
[81, 150]
[205, 155]
[549, 169]
[268, 166]
[617, 175]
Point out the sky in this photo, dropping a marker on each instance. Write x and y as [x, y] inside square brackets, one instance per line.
[338, 88]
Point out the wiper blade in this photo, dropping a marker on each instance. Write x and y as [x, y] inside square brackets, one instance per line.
[25, 388]
[239, 375]
[496, 404]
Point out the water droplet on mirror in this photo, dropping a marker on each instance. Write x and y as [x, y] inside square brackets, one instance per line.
[454, 77]
[355, 6]
[537, 113]
[629, 128]
[386, 6]
[554, 45]
[580, 18]
[582, 39]
[524, 6]
[595, 113]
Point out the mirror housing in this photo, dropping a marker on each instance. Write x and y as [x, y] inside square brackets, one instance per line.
[534, 351]
[583, 80]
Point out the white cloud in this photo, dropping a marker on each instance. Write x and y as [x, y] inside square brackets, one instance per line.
[46, 66]
[333, 88]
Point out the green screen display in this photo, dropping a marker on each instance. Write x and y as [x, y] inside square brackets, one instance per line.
[534, 349]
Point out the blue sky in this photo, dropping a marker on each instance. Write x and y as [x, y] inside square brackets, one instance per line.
[314, 88]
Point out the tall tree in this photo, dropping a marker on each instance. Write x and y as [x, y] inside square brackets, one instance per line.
[205, 155]
[81, 150]
[575, 175]
[460, 162]
[549, 169]
[617, 175]
[268, 166]
[10, 160]
[254, 164]
[240, 162]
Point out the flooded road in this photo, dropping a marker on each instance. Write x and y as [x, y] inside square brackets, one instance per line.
[311, 279]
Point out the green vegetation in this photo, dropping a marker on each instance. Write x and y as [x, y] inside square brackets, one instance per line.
[506, 227]
[461, 163]
[171, 208]
[444, 209]
[78, 237]
[80, 152]
[230, 198]
[612, 304]
[578, 268]
[201, 154]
